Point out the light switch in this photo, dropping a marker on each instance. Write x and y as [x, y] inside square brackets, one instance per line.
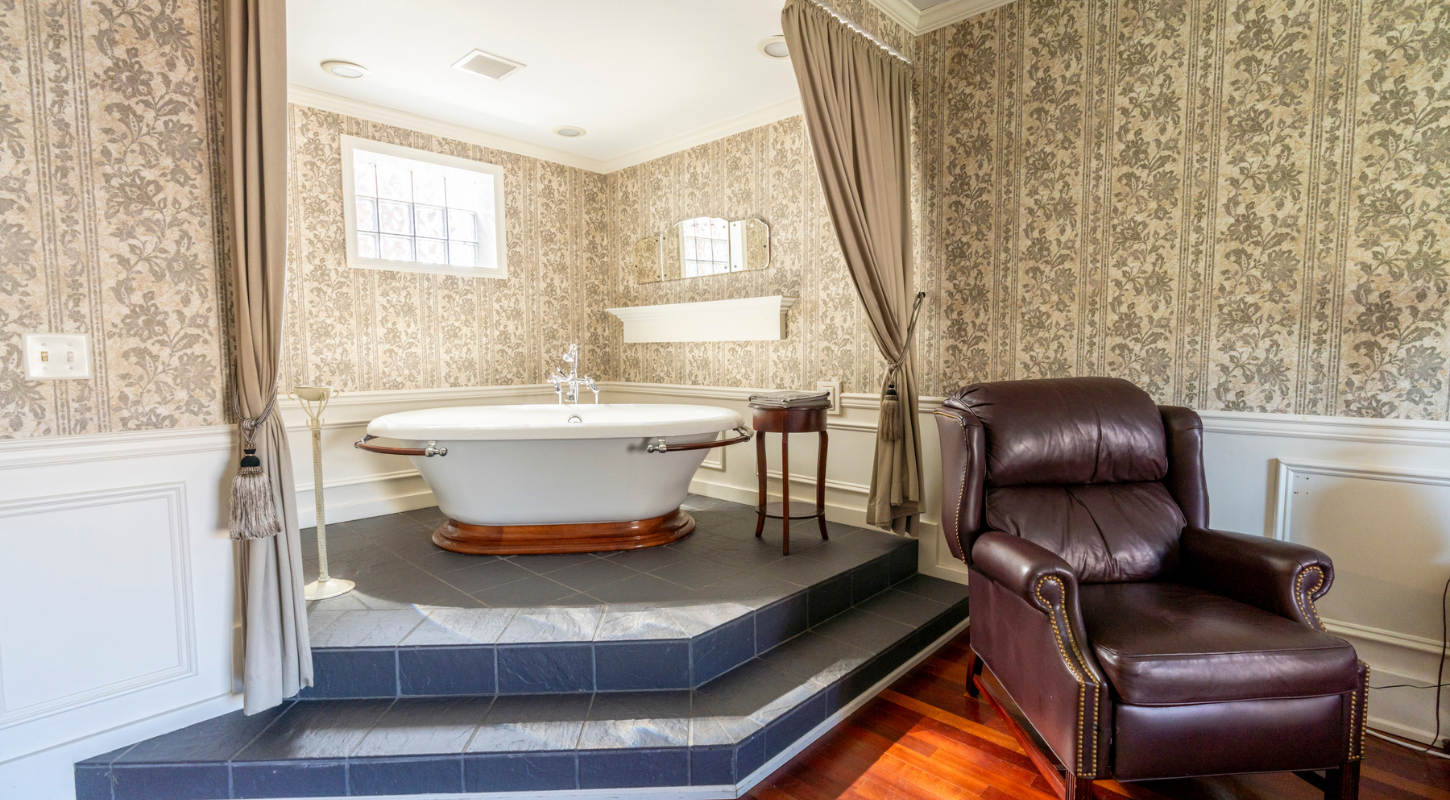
[834, 387]
[57, 356]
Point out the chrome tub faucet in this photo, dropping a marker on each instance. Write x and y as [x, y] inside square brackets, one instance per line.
[567, 386]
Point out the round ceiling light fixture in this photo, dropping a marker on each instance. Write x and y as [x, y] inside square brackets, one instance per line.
[569, 131]
[773, 47]
[345, 69]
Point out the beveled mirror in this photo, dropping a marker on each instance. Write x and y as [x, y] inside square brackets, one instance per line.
[703, 246]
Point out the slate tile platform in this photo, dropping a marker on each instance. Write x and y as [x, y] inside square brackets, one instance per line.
[671, 617]
[714, 735]
[693, 664]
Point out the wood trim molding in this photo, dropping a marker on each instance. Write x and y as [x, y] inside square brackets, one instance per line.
[916, 21]
[53, 450]
[361, 109]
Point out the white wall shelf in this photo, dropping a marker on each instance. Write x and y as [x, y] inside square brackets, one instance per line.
[744, 320]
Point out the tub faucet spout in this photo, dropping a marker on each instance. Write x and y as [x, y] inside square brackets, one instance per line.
[572, 380]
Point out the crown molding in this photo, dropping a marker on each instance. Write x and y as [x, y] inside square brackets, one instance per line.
[303, 96]
[738, 124]
[312, 98]
[916, 22]
[953, 12]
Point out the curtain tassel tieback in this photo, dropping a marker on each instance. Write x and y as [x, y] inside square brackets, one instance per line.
[254, 509]
[893, 419]
[891, 415]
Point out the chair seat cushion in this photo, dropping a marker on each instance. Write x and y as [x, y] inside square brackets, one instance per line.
[1170, 644]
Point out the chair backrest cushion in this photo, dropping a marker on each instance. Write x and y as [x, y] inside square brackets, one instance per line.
[1076, 465]
[1068, 430]
[1107, 532]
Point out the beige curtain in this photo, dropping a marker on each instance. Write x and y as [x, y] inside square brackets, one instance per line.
[278, 660]
[856, 96]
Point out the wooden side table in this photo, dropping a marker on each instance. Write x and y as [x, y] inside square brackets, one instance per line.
[786, 421]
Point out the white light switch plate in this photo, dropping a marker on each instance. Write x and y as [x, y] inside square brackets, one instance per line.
[834, 387]
[57, 356]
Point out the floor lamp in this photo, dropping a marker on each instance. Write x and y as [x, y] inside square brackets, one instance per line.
[314, 400]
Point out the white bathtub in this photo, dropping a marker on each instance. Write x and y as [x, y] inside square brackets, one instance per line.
[557, 464]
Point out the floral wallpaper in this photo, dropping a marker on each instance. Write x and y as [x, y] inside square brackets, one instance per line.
[766, 173]
[364, 329]
[109, 205]
[1239, 205]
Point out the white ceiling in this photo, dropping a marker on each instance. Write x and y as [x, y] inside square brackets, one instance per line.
[633, 73]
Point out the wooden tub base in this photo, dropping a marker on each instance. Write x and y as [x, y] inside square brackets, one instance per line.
[499, 540]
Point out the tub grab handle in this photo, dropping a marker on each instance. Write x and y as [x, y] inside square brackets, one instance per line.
[743, 434]
[427, 452]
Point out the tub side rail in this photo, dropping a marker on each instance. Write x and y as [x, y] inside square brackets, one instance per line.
[742, 434]
[426, 452]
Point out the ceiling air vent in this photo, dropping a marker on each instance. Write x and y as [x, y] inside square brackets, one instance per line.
[487, 65]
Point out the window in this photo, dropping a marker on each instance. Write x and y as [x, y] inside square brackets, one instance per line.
[417, 211]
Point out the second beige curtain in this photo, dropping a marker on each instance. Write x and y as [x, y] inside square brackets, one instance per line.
[857, 97]
[277, 661]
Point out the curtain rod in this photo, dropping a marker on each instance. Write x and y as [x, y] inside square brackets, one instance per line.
[851, 24]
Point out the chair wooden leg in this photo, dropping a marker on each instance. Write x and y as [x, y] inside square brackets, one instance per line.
[974, 668]
[1342, 782]
[1078, 788]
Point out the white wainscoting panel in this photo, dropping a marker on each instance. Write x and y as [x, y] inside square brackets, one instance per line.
[850, 448]
[48, 648]
[1374, 495]
[117, 587]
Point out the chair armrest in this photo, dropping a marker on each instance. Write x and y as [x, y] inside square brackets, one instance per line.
[1021, 566]
[1027, 626]
[1279, 577]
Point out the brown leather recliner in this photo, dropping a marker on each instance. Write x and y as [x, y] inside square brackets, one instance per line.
[1137, 642]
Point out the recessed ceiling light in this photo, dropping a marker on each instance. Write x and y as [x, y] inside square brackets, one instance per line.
[570, 131]
[345, 69]
[487, 64]
[773, 47]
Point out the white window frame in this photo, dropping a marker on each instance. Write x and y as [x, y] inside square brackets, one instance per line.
[349, 209]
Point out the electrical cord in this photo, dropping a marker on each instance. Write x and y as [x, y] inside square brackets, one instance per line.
[1439, 685]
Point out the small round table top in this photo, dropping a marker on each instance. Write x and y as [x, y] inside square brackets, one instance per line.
[789, 420]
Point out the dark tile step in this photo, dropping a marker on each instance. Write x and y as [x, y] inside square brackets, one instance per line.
[621, 647]
[717, 734]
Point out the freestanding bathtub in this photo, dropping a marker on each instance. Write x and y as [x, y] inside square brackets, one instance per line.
[557, 478]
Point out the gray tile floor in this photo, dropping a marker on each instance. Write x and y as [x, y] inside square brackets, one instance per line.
[411, 592]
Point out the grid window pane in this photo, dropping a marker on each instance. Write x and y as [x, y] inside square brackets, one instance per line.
[462, 254]
[365, 179]
[428, 188]
[367, 245]
[395, 217]
[432, 251]
[367, 214]
[397, 248]
[429, 222]
[462, 225]
[722, 250]
[395, 183]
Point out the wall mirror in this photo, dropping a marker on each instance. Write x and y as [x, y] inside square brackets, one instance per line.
[702, 246]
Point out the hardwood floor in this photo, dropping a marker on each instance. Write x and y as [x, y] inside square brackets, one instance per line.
[924, 739]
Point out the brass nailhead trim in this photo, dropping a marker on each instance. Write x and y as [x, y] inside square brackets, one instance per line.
[962, 490]
[1304, 599]
[1073, 668]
